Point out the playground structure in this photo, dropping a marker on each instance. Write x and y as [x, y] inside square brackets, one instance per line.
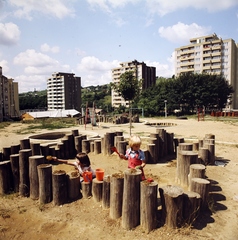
[24, 169]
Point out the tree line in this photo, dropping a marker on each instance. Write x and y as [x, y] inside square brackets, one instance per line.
[187, 93]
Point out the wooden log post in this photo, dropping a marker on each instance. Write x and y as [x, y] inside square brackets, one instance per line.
[25, 143]
[196, 171]
[45, 183]
[195, 146]
[131, 197]
[122, 147]
[106, 192]
[59, 187]
[97, 146]
[65, 142]
[185, 159]
[34, 161]
[108, 143]
[86, 145]
[203, 155]
[200, 143]
[152, 152]
[170, 143]
[92, 146]
[211, 153]
[97, 190]
[156, 142]
[6, 152]
[148, 205]
[14, 159]
[75, 132]
[73, 185]
[78, 143]
[185, 146]
[86, 189]
[162, 142]
[117, 139]
[172, 205]
[191, 207]
[61, 153]
[177, 141]
[5, 177]
[52, 151]
[35, 148]
[71, 144]
[116, 195]
[202, 187]
[15, 149]
[44, 150]
[24, 185]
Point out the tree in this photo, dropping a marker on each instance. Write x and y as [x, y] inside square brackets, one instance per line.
[128, 88]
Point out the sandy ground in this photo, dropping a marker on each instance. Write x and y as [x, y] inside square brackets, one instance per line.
[24, 218]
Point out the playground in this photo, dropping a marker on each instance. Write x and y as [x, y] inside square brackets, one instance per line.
[24, 218]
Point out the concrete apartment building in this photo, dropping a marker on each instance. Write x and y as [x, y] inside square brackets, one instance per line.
[213, 55]
[9, 98]
[148, 74]
[64, 91]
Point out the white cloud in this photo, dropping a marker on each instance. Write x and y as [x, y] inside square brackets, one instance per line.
[95, 72]
[10, 33]
[56, 8]
[163, 7]
[46, 48]
[181, 32]
[4, 65]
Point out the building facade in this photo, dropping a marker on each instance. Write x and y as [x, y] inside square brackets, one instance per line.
[64, 91]
[148, 74]
[9, 98]
[213, 55]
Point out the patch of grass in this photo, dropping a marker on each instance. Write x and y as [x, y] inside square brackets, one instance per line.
[4, 124]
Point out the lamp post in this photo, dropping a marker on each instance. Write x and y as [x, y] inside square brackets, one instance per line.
[165, 108]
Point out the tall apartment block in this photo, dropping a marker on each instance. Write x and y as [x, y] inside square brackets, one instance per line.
[9, 98]
[148, 74]
[213, 55]
[64, 91]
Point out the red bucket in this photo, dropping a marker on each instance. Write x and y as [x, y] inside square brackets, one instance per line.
[87, 176]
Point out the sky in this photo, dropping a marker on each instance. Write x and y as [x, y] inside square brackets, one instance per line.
[91, 37]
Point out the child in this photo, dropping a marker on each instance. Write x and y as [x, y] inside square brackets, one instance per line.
[82, 163]
[134, 155]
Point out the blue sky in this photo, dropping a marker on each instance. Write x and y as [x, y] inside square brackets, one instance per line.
[90, 37]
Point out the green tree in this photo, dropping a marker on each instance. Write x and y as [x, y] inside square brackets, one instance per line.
[128, 87]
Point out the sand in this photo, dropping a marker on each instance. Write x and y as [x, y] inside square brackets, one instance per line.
[24, 218]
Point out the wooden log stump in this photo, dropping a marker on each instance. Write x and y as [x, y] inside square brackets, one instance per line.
[73, 185]
[60, 146]
[5, 177]
[75, 132]
[185, 146]
[148, 205]
[152, 153]
[14, 159]
[97, 146]
[15, 149]
[200, 143]
[24, 185]
[25, 143]
[177, 141]
[85, 145]
[162, 142]
[170, 143]
[117, 139]
[172, 205]
[106, 192]
[202, 187]
[52, 151]
[203, 155]
[86, 189]
[108, 143]
[191, 207]
[116, 195]
[78, 143]
[91, 146]
[35, 148]
[122, 147]
[34, 161]
[45, 183]
[65, 142]
[195, 146]
[211, 153]
[131, 197]
[196, 171]
[44, 150]
[59, 187]
[71, 145]
[6, 152]
[97, 190]
[185, 159]
[156, 142]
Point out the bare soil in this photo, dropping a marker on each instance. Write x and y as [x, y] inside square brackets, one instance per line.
[24, 218]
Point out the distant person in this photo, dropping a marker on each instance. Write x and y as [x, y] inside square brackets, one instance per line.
[134, 155]
[82, 163]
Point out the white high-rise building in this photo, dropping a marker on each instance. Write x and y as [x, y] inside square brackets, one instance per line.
[64, 92]
[148, 74]
[210, 54]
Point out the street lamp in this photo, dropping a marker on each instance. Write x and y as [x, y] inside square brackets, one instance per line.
[165, 108]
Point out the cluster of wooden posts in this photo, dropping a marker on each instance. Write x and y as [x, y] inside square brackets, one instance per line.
[24, 169]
